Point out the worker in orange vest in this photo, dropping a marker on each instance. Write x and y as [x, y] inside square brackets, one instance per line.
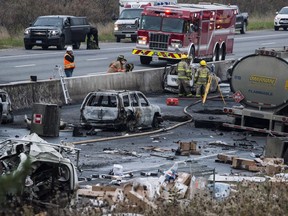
[69, 63]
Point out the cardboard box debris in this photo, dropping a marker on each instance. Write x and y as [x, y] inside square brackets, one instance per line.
[187, 148]
[223, 158]
[141, 201]
[242, 163]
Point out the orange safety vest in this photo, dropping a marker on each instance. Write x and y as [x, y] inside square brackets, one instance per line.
[68, 64]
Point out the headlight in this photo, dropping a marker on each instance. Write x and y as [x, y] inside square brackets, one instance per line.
[116, 27]
[142, 40]
[277, 18]
[54, 32]
[176, 43]
[27, 31]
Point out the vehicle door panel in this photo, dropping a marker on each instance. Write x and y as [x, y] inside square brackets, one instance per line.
[79, 28]
[147, 115]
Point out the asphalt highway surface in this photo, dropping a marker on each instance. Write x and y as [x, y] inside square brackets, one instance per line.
[102, 149]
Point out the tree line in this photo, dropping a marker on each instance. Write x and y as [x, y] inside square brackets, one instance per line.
[16, 15]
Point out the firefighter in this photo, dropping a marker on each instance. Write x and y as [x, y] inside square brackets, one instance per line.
[118, 65]
[184, 76]
[69, 63]
[201, 78]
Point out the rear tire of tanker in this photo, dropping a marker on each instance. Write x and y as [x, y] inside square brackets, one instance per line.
[145, 60]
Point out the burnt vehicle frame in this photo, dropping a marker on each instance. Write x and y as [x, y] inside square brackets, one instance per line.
[119, 109]
[52, 180]
[7, 115]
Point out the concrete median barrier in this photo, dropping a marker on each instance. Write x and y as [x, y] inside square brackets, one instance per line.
[24, 94]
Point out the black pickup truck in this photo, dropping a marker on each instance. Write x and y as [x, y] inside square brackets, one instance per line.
[241, 20]
[56, 30]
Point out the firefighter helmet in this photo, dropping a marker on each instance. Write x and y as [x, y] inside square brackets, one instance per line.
[203, 63]
[120, 57]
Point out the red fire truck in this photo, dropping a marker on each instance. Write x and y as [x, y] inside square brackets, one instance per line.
[202, 31]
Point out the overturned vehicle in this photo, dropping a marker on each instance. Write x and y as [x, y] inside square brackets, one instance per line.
[170, 79]
[43, 176]
[123, 110]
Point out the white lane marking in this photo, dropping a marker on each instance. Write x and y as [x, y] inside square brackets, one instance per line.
[268, 43]
[95, 59]
[20, 66]
[61, 53]
[260, 36]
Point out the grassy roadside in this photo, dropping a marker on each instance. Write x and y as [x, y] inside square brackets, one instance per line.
[106, 32]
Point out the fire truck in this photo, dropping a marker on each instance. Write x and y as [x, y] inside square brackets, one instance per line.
[202, 31]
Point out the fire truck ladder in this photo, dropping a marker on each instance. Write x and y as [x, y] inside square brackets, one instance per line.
[210, 79]
[63, 84]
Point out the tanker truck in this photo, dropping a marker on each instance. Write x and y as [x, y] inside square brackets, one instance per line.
[259, 83]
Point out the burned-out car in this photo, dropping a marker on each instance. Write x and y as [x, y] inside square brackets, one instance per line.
[119, 110]
[50, 180]
[5, 108]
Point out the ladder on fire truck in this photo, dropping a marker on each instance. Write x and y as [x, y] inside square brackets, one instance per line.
[63, 83]
[212, 77]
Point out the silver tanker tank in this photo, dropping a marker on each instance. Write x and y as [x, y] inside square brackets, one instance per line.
[261, 79]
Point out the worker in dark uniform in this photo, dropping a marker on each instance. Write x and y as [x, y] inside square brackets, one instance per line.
[184, 76]
[118, 65]
[201, 78]
[92, 38]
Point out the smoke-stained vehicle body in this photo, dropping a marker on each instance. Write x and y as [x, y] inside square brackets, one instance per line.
[52, 178]
[6, 111]
[119, 110]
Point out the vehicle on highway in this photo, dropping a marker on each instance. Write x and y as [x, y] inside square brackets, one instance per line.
[121, 109]
[56, 30]
[7, 115]
[127, 24]
[281, 19]
[261, 92]
[168, 32]
[241, 20]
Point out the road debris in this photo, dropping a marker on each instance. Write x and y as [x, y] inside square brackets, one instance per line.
[51, 171]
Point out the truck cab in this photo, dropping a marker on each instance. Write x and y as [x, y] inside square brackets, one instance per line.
[127, 24]
[56, 30]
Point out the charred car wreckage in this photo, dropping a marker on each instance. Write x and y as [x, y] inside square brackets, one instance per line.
[119, 110]
[170, 78]
[6, 112]
[52, 180]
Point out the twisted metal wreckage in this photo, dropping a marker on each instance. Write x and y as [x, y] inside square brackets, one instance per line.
[52, 178]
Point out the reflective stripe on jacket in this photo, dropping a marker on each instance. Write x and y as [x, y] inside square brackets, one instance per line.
[184, 70]
[202, 75]
[68, 61]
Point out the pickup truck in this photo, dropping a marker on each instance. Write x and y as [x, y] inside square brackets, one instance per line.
[241, 20]
[127, 24]
[56, 30]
